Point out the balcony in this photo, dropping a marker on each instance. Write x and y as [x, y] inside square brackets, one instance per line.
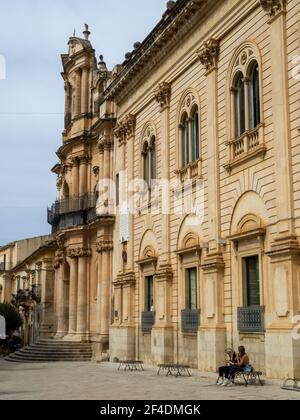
[250, 145]
[72, 212]
[190, 172]
[251, 319]
[148, 321]
[190, 320]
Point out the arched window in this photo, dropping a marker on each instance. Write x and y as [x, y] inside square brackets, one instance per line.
[146, 163]
[153, 158]
[254, 96]
[195, 135]
[239, 105]
[185, 140]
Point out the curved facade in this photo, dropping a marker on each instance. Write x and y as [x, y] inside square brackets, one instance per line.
[177, 212]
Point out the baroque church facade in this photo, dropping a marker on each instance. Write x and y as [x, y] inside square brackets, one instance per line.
[208, 103]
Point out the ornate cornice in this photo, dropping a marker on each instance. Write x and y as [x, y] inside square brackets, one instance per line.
[163, 94]
[125, 128]
[104, 246]
[209, 54]
[127, 279]
[273, 7]
[179, 20]
[213, 263]
[164, 273]
[78, 252]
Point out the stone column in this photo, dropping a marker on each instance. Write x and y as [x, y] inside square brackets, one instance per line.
[281, 115]
[73, 262]
[163, 96]
[59, 294]
[99, 282]
[85, 91]
[82, 321]
[162, 333]
[83, 175]
[281, 348]
[78, 93]
[130, 141]
[212, 335]
[47, 292]
[75, 178]
[105, 247]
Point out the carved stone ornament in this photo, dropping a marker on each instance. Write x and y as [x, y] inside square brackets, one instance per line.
[78, 252]
[125, 128]
[273, 7]
[59, 259]
[209, 54]
[104, 246]
[163, 94]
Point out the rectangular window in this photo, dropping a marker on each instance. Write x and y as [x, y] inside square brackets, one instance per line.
[252, 281]
[149, 296]
[192, 288]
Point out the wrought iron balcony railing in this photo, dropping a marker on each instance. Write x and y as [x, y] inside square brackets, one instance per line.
[251, 319]
[71, 212]
[148, 321]
[190, 320]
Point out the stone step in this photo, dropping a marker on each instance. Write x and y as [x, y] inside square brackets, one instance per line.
[33, 360]
[53, 351]
[57, 353]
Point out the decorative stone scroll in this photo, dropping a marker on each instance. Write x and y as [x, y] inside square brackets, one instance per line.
[59, 259]
[104, 246]
[163, 94]
[125, 128]
[273, 7]
[78, 252]
[209, 54]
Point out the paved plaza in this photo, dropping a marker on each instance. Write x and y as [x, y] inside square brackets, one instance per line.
[91, 381]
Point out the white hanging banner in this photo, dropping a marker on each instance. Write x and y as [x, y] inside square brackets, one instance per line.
[2, 328]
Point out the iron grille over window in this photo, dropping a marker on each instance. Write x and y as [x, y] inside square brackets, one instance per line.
[251, 319]
[148, 321]
[190, 320]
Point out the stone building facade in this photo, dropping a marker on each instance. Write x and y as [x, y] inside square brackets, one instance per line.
[208, 103]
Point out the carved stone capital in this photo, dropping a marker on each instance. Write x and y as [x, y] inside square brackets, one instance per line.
[104, 246]
[84, 159]
[78, 252]
[59, 259]
[273, 7]
[209, 54]
[163, 94]
[105, 143]
[125, 128]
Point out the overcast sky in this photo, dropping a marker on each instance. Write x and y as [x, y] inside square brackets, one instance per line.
[33, 34]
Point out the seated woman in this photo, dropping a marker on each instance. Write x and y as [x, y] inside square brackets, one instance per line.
[243, 365]
[231, 360]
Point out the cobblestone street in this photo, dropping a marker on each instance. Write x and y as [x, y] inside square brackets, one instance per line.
[91, 381]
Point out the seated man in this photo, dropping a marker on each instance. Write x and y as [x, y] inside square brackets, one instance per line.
[231, 360]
